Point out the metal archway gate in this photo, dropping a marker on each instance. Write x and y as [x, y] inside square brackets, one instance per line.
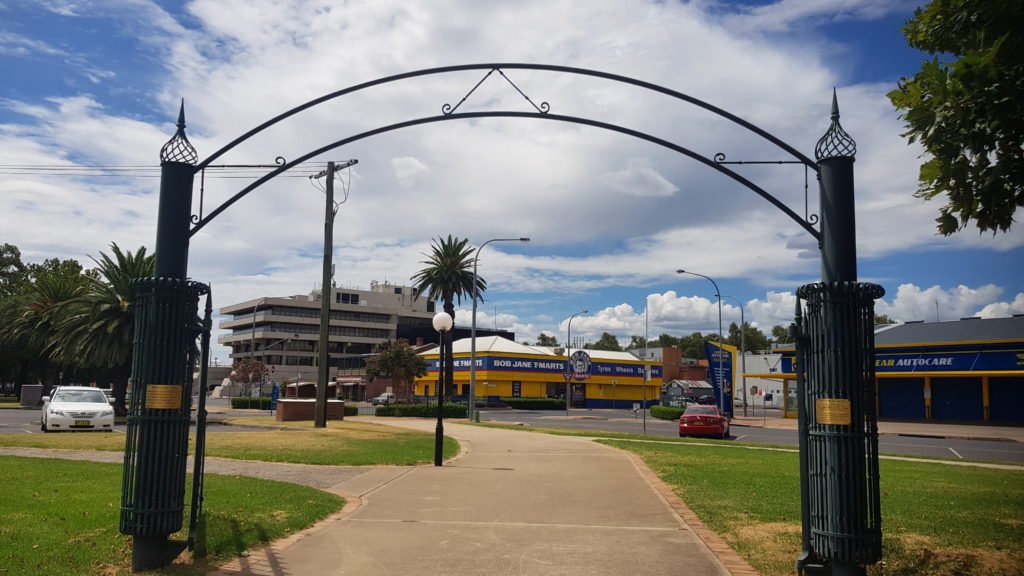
[841, 516]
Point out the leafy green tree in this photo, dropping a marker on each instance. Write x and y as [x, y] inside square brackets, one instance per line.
[248, 371]
[13, 272]
[399, 362]
[667, 341]
[755, 339]
[547, 340]
[639, 343]
[883, 319]
[968, 113]
[693, 345]
[781, 335]
[607, 341]
[448, 276]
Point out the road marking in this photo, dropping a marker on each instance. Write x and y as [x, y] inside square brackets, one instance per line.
[957, 454]
[738, 438]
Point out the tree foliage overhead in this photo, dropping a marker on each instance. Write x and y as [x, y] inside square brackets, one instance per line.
[968, 112]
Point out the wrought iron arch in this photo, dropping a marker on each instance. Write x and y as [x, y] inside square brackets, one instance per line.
[449, 112]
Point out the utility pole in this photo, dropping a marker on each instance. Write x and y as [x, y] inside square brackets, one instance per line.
[323, 362]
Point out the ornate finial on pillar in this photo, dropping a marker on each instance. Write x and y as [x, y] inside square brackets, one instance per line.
[836, 143]
[178, 148]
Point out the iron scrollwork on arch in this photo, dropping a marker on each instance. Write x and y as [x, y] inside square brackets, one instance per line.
[543, 108]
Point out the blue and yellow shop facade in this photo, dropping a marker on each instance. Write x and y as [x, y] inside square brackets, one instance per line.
[977, 375]
[505, 369]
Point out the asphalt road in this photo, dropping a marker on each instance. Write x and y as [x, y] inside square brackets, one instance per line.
[19, 421]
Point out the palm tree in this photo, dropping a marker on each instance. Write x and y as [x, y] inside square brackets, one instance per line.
[31, 317]
[448, 277]
[96, 329]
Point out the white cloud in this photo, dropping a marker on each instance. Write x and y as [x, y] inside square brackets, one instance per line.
[604, 210]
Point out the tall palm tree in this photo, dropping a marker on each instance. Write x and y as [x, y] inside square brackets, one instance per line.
[448, 277]
[30, 318]
[97, 328]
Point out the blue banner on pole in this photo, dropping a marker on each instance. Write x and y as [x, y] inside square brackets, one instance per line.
[720, 360]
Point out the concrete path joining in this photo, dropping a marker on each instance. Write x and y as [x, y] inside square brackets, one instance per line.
[511, 504]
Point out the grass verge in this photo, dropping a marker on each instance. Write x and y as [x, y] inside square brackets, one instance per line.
[61, 518]
[938, 520]
[341, 443]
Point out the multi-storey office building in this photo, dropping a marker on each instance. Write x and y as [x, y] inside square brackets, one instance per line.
[284, 332]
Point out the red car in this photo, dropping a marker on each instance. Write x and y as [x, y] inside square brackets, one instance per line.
[701, 420]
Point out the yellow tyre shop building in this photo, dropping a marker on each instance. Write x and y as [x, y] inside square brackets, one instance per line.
[970, 370]
[506, 369]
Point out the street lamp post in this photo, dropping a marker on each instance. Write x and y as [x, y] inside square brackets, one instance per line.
[443, 324]
[472, 335]
[568, 360]
[721, 339]
[743, 351]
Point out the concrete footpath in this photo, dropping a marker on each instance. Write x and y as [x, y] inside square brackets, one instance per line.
[509, 504]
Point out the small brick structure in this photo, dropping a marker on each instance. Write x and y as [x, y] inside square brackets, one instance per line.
[305, 409]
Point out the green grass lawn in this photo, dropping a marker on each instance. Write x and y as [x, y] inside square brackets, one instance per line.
[937, 519]
[61, 518]
[341, 443]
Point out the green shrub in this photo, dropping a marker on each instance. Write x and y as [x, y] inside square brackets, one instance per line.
[261, 403]
[422, 410]
[666, 412]
[351, 410]
[535, 403]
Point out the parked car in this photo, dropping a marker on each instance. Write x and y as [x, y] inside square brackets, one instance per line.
[384, 399]
[77, 408]
[701, 420]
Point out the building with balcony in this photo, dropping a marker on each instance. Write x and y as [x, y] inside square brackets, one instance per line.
[284, 331]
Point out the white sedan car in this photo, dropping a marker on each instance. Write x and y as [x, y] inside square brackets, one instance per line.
[77, 408]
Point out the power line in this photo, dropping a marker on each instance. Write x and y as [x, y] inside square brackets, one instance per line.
[223, 171]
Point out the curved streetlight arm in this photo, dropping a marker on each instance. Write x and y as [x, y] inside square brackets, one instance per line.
[721, 338]
[472, 330]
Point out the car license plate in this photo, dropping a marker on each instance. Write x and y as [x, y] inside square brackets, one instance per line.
[698, 423]
[82, 423]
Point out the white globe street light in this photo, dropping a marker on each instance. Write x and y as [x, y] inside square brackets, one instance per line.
[443, 324]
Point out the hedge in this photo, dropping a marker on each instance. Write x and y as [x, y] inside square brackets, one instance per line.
[666, 412]
[241, 403]
[422, 410]
[535, 403]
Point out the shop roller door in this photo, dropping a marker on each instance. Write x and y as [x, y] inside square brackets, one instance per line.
[901, 398]
[1006, 399]
[957, 399]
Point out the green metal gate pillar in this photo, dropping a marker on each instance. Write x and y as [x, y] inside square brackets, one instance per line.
[836, 384]
[166, 327]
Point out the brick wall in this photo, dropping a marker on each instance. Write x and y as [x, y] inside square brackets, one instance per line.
[291, 410]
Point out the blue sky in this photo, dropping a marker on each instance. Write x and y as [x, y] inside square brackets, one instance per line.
[90, 84]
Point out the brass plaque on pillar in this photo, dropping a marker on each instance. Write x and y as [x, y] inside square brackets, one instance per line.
[834, 411]
[163, 397]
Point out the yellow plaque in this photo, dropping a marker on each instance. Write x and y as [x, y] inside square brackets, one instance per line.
[832, 411]
[163, 397]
